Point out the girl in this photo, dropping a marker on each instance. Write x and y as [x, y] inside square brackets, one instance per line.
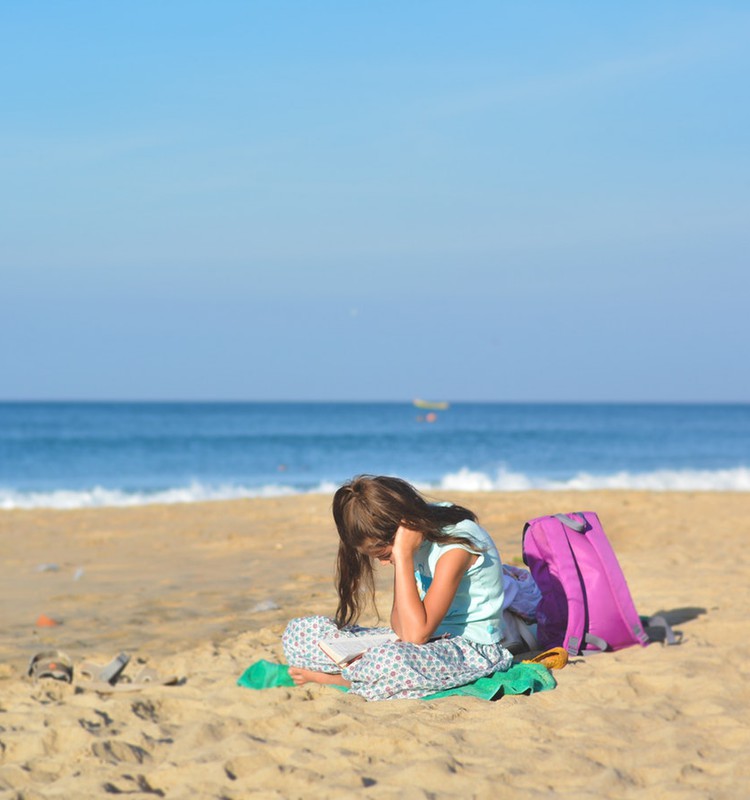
[448, 620]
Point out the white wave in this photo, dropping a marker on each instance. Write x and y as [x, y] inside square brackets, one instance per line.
[464, 480]
[736, 479]
[100, 497]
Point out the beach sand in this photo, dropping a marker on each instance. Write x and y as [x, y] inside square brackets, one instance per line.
[204, 590]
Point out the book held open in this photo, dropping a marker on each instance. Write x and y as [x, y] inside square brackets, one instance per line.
[345, 650]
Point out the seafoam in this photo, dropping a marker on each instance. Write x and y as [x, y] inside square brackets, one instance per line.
[464, 480]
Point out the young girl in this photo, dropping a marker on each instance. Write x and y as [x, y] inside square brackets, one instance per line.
[448, 620]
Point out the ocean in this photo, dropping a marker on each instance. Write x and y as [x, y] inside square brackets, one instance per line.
[72, 455]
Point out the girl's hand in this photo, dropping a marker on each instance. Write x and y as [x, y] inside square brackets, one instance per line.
[406, 543]
[413, 618]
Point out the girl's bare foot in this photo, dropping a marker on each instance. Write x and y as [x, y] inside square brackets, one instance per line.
[300, 676]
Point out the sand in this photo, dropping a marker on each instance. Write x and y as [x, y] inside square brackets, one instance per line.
[204, 590]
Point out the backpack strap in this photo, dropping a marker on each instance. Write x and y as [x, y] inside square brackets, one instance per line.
[596, 641]
[576, 645]
[569, 522]
[612, 572]
[670, 636]
[574, 634]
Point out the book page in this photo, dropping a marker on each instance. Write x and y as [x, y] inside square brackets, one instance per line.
[344, 651]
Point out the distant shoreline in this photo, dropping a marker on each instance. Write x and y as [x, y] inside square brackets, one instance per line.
[389, 402]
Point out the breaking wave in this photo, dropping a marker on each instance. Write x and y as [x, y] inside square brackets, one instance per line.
[100, 497]
[736, 479]
[665, 480]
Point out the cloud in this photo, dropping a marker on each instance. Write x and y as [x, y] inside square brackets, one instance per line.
[708, 45]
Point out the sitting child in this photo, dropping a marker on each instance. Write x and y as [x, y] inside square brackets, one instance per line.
[449, 620]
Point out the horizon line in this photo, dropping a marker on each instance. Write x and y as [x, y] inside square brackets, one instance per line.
[340, 401]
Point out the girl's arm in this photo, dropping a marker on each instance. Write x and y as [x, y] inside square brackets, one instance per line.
[395, 621]
[415, 620]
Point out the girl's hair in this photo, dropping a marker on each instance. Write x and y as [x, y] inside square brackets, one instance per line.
[369, 510]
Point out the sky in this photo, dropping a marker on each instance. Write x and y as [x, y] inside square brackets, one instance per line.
[276, 200]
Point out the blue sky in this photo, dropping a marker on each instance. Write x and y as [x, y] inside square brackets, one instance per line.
[338, 200]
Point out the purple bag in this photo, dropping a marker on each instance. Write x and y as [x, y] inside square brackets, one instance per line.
[586, 603]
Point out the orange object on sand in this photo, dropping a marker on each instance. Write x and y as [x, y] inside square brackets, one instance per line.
[43, 621]
[556, 658]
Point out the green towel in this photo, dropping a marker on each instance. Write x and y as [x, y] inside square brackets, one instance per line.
[265, 675]
[519, 679]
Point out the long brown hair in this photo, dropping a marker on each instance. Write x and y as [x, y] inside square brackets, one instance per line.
[369, 510]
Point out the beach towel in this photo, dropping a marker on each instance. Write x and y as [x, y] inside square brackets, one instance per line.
[525, 678]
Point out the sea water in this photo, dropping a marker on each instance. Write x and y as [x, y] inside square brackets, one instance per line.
[69, 455]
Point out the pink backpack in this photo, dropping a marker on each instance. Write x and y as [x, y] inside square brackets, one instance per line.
[586, 603]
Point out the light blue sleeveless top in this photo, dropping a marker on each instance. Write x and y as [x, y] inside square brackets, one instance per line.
[476, 610]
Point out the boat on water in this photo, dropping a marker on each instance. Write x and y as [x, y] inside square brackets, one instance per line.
[435, 405]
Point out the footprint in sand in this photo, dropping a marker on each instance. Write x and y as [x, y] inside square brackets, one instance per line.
[141, 785]
[116, 752]
[98, 726]
[245, 766]
[145, 710]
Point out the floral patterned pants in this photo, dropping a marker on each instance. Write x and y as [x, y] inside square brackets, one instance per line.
[395, 669]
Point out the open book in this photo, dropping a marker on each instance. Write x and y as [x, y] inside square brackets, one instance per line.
[344, 651]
